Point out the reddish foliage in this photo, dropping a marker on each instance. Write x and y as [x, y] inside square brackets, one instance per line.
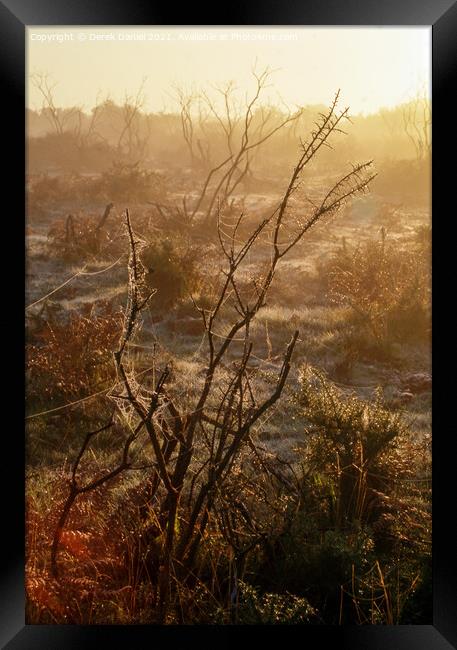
[69, 359]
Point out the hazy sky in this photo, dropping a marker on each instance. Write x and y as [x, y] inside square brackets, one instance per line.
[374, 67]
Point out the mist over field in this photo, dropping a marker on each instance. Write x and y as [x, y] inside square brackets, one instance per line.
[228, 310]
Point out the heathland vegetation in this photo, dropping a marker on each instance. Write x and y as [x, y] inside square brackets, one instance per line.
[228, 362]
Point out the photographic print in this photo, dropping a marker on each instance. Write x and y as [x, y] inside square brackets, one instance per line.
[228, 325]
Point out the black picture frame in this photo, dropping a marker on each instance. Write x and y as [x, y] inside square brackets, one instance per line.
[15, 15]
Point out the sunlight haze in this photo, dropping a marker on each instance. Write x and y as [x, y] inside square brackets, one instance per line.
[374, 67]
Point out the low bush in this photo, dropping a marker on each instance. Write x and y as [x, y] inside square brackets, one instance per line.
[69, 359]
[172, 269]
[121, 182]
[387, 287]
[254, 608]
[351, 447]
[66, 152]
[77, 237]
[356, 537]
[404, 180]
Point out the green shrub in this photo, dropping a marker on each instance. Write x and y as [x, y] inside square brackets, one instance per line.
[171, 269]
[310, 560]
[351, 449]
[365, 496]
[254, 608]
[360, 514]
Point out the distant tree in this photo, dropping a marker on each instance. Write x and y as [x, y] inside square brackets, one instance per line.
[417, 120]
[58, 118]
[133, 139]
